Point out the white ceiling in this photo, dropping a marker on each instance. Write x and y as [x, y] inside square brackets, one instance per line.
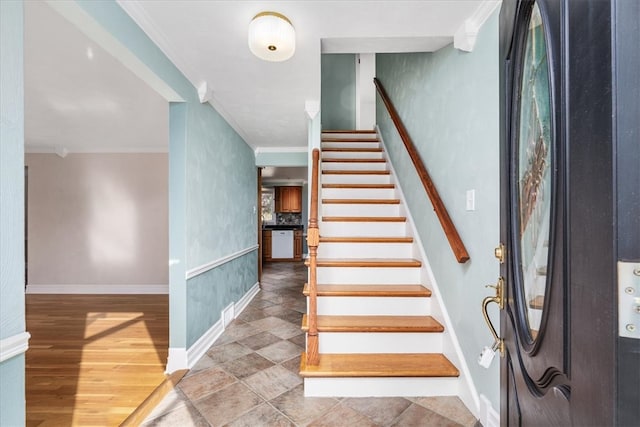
[264, 101]
[79, 98]
[77, 103]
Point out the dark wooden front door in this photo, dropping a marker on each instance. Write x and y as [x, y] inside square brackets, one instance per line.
[561, 188]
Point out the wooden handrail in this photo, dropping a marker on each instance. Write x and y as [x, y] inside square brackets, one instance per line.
[450, 231]
[313, 240]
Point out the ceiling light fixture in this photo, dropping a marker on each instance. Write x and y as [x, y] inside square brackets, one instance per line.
[272, 37]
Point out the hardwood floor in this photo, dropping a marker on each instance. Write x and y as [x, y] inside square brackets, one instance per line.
[93, 359]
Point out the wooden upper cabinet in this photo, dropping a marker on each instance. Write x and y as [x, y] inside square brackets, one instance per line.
[288, 199]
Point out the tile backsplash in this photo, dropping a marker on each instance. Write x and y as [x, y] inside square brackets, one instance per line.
[288, 219]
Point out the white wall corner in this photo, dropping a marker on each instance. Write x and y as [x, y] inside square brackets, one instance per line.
[205, 93]
[176, 360]
[465, 37]
[14, 345]
[312, 108]
[489, 417]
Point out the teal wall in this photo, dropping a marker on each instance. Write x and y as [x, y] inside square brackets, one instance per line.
[338, 91]
[448, 101]
[12, 322]
[212, 188]
[230, 281]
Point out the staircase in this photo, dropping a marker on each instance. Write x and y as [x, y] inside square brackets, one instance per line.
[375, 330]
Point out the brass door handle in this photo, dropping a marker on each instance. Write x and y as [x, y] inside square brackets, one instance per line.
[498, 299]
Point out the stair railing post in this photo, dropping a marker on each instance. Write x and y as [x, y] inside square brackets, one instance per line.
[313, 240]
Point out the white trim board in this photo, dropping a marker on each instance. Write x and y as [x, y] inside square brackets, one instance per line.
[181, 358]
[14, 345]
[218, 262]
[99, 289]
[282, 150]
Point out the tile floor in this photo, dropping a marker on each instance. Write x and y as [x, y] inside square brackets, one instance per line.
[249, 377]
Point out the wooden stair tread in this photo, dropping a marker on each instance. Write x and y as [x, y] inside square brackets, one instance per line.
[360, 239]
[368, 262]
[355, 172]
[360, 186]
[361, 201]
[351, 150]
[380, 365]
[354, 131]
[364, 218]
[338, 139]
[374, 324]
[369, 291]
[339, 160]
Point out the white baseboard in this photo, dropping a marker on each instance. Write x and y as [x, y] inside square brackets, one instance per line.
[181, 358]
[14, 345]
[246, 299]
[98, 289]
[489, 417]
[200, 347]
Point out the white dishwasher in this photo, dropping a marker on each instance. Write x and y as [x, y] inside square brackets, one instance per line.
[282, 244]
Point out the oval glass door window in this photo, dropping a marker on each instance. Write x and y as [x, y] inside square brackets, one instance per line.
[534, 172]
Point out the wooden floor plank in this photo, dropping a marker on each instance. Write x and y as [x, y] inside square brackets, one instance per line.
[375, 324]
[93, 359]
[379, 365]
[369, 290]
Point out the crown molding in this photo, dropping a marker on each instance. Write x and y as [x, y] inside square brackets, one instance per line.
[467, 34]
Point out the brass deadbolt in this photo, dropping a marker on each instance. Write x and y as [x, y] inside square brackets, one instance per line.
[500, 253]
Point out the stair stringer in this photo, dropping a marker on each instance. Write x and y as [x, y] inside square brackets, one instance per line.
[467, 391]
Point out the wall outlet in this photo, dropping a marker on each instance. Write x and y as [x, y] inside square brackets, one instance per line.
[471, 200]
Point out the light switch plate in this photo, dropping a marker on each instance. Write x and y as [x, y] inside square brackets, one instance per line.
[471, 200]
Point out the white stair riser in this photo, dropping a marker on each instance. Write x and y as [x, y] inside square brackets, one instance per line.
[372, 144]
[374, 306]
[355, 179]
[353, 154]
[374, 276]
[380, 387]
[364, 229]
[358, 193]
[339, 209]
[379, 342]
[365, 250]
[350, 166]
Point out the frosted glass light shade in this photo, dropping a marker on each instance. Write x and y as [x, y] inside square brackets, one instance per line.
[272, 37]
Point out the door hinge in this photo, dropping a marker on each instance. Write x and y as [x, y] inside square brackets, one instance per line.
[629, 299]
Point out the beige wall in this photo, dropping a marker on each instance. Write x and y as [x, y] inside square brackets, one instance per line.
[98, 219]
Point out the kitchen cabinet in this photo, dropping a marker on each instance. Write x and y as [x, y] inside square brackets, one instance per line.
[266, 245]
[297, 245]
[289, 199]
